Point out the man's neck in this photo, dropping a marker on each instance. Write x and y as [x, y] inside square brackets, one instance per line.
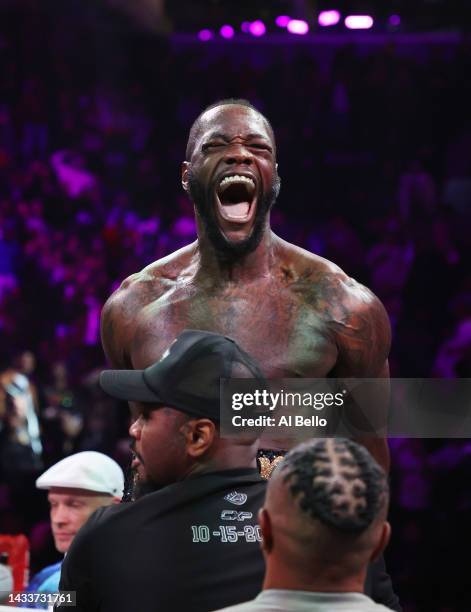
[227, 457]
[319, 579]
[215, 269]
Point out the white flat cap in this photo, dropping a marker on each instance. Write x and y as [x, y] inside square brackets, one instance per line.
[6, 582]
[88, 470]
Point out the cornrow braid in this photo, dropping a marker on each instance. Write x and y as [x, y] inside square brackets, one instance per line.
[337, 482]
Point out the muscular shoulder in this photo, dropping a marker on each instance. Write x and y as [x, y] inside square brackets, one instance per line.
[354, 316]
[152, 281]
[361, 326]
[135, 292]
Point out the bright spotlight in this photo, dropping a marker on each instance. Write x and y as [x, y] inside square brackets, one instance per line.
[205, 35]
[298, 26]
[226, 31]
[257, 28]
[359, 22]
[328, 18]
[282, 21]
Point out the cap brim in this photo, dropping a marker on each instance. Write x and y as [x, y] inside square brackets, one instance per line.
[127, 385]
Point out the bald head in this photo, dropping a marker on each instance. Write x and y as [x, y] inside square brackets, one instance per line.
[327, 501]
[208, 115]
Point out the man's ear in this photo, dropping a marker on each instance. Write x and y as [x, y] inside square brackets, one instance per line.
[199, 436]
[382, 542]
[185, 175]
[266, 529]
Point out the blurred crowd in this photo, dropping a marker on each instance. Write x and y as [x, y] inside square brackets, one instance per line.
[375, 159]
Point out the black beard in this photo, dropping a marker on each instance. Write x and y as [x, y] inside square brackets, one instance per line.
[227, 250]
[143, 487]
[135, 487]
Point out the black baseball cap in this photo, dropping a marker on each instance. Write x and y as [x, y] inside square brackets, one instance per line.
[187, 377]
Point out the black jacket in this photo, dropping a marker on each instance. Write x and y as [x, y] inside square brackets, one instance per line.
[192, 546]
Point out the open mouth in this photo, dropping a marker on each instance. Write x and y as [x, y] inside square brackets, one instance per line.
[236, 198]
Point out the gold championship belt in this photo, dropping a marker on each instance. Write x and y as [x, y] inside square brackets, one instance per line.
[267, 460]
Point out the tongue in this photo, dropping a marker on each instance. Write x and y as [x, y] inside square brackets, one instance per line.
[237, 211]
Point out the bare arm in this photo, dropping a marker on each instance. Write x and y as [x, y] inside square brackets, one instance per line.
[121, 312]
[117, 321]
[111, 335]
[363, 337]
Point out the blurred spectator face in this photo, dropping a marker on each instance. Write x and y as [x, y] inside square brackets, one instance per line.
[27, 362]
[69, 510]
[59, 373]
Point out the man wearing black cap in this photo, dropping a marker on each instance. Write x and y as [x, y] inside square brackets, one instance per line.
[193, 542]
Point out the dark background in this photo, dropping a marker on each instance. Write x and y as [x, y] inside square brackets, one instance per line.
[374, 139]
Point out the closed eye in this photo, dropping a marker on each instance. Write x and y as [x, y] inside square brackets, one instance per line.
[76, 504]
[211, 145]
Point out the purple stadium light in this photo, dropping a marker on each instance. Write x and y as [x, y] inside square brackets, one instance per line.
[205, 35]
[282, 21]
[298, 26]
[257, 28]
[359, 22]
[394, 20]
[226, 31]
[328, 18]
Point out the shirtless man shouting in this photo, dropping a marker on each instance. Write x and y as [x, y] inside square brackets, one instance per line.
[296, 313]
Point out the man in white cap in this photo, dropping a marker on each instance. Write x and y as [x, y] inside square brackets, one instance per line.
[78, 485]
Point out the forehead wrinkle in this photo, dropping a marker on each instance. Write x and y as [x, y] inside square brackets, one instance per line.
[215, 117]
[204, 120]
[212, 113]
[72, 494]
[228, 138]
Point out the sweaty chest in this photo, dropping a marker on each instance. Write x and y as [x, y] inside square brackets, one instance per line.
[286, 337]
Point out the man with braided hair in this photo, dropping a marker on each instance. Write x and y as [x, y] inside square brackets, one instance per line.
[323, 522]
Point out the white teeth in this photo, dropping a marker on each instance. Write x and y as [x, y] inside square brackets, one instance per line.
[236, 178]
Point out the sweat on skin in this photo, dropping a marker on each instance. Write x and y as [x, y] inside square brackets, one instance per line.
[297, 314]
